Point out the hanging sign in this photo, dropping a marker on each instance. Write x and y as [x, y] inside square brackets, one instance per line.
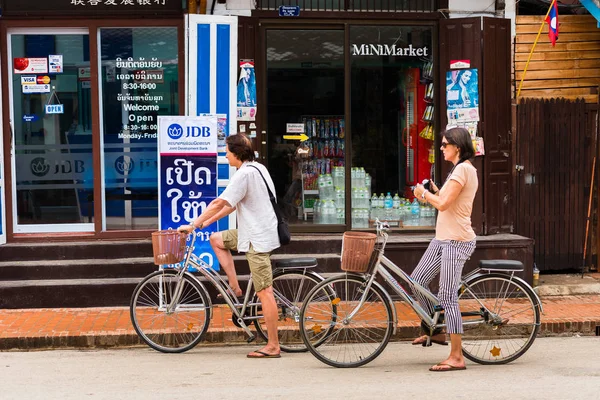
[23, 65]
[187, 153]
[55, 109]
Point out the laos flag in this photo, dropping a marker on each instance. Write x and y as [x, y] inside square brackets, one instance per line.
[552, 20]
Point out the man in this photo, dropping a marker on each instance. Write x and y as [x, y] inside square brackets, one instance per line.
[256, 234]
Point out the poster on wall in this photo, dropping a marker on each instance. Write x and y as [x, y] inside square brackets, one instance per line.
[187, 154]
[462, 95]
[222, 132]
[246, 92]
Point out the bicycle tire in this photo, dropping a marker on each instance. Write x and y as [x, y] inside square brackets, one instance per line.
[173, 332]
[290, 284]
[350, 343]
[511, 328]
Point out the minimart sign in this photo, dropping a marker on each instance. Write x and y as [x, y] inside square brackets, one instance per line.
[388, 50]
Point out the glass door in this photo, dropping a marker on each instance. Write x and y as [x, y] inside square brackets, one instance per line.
[52, 165]
[306, 123]
[2, 190]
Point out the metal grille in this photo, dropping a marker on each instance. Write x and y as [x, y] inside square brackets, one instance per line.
[353, 5]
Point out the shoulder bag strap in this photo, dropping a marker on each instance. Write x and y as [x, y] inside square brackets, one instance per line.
[271, 197]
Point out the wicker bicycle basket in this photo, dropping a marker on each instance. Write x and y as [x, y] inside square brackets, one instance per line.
[168, 247]
[357, 248]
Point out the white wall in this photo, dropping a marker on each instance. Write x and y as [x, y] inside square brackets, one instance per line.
[472, 8]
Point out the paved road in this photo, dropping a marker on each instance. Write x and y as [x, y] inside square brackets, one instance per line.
[554, 368]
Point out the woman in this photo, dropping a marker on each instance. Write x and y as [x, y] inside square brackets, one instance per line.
[454, 241]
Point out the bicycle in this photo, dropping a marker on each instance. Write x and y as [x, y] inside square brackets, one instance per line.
[500, 311]
[171, 308]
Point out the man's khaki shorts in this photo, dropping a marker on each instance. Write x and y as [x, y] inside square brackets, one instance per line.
[260, 263]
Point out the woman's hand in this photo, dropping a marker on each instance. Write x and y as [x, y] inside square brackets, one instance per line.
[185, 229]
[418, 192]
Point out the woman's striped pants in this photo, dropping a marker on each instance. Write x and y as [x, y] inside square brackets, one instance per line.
[447, 258]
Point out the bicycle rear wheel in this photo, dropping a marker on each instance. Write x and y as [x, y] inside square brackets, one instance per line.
[335, 338]
[169, 331]
[290, 288]
[501, 318]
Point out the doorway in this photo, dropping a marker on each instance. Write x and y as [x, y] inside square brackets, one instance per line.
[52, 166]
[305, 87]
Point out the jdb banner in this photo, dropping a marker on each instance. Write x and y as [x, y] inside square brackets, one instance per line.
[188, 175]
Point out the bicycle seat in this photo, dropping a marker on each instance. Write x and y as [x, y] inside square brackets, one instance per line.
[304, 262]
[501, 265]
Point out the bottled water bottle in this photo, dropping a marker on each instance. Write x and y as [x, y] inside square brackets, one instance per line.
[360, 176]
[317, 212]
[374, 201]
[368, 184]
[388, 205]
[339, 197]
[365, 217]
[406, 213]
[355, 218]
[415, 210]
[354, 198]
[381, 202]
[353, 176]
[329, 212]
[364, 200]
[321, 182]
[339, 177]
[396, 207]
[341, 216]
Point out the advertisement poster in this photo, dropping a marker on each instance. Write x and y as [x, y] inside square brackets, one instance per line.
[187, 153]
[24, 65]
[462, 95]
[55, 62]
[246, 92]
[221, 131]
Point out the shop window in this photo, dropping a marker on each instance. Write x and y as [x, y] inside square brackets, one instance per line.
[139, 82]
[305, 95]
[52, 130]
[392, 124]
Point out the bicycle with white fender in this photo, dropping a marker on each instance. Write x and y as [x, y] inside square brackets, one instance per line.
[352, 326]
[171, 308]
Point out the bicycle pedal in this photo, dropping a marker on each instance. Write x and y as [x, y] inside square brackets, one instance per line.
[251, 339]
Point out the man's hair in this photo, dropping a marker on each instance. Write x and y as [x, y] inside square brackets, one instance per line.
[461, 138]
[241, 146]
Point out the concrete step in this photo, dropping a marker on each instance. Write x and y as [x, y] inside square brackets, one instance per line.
[118, 267]
[137, 248]
[84, 284]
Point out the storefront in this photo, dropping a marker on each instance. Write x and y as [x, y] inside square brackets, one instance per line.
[364, 94]
[83, 84]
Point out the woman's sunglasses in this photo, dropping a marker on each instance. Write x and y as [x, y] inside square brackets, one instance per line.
[444, 144]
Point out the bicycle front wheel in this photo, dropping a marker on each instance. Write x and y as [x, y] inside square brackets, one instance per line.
[167, 327]
[290, 288]
[339, 332]
[501, 318]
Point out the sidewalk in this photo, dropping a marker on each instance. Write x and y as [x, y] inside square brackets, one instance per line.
[576, 310]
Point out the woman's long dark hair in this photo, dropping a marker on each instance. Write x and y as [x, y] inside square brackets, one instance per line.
[461, 138]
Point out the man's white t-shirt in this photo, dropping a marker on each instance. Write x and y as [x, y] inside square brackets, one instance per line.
[257, 222]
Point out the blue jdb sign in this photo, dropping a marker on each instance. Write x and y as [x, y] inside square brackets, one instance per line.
[188, 175]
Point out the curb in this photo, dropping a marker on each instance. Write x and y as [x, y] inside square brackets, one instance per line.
[234, 336]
